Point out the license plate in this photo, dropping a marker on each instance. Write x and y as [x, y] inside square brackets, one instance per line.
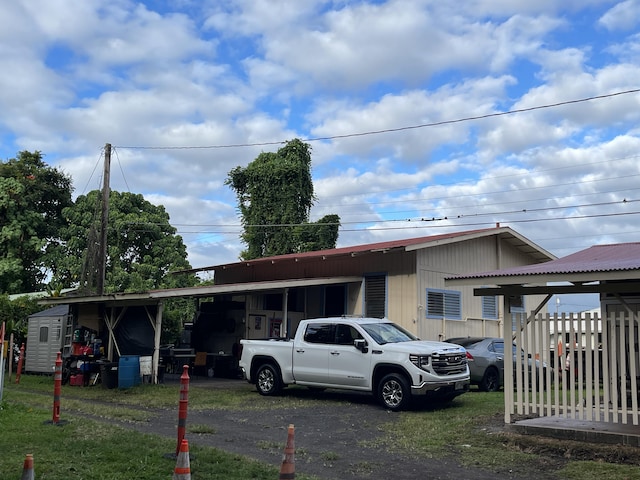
[460, 385]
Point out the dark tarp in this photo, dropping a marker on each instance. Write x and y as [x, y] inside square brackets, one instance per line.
[134, 333]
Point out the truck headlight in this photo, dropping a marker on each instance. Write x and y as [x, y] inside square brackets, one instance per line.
[423, 362]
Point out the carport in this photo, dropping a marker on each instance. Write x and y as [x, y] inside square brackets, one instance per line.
[600, 392]
[111, 309]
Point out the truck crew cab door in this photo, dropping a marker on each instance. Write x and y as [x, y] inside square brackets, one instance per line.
[347, 364]
[311, 354]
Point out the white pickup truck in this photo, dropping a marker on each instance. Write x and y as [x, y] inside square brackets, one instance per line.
[365, 354]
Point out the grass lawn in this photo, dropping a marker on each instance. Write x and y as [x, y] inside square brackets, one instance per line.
[81, 448]
[86, 449]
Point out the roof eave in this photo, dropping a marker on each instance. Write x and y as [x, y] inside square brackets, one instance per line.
[572, 277]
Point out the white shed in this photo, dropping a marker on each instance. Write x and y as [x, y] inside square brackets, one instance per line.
[44, 338]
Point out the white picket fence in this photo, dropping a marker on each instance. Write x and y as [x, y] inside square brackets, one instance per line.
[598, 383]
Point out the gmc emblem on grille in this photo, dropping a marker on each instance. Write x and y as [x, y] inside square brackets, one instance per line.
[454, 359]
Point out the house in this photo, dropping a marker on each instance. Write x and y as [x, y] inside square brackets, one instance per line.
[598, 387]
[403, 280]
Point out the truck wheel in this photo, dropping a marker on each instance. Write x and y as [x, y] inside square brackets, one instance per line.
[268, 380]
[393, 392]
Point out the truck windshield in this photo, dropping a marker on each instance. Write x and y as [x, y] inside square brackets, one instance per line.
[388, 333]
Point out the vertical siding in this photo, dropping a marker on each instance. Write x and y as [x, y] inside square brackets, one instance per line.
[477, 255]
[409, 274]
[402, 301]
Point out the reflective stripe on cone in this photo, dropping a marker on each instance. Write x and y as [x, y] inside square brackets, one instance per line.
[183, 467]
[27, 470]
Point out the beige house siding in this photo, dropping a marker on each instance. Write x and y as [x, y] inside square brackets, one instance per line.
[482, 254]
[409, 273]
[402, 302]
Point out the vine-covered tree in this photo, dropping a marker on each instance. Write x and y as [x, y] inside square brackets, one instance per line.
[32, 197]
[275, 196]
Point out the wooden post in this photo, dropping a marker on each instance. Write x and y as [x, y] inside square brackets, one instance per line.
[10, 356]
[102, 257]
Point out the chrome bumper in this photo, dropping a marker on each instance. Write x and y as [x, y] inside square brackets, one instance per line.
[453, 386]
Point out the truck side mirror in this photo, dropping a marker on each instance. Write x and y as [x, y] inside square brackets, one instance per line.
[361, 344]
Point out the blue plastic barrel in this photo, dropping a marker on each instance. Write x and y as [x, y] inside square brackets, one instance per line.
[128, 371]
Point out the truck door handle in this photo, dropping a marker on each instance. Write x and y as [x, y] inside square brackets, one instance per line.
[335, 353]
[499, 359]
[299, 350]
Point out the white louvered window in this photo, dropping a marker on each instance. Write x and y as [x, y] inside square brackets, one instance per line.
[375, 296]
[444, 304]
[490, 307]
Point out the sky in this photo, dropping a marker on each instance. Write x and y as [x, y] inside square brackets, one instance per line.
[424, 117]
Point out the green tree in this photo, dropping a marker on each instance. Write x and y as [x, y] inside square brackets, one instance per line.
[32, 197]
[275, 196]
[15, 313]
[142, 246]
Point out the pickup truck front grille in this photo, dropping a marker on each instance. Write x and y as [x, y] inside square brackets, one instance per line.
[449, 363]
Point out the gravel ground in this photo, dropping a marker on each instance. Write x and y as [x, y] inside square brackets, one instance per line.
[336, 439]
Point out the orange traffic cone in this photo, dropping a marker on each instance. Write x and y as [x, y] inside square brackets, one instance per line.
[183, 467]
[27, 470]
[288, 468]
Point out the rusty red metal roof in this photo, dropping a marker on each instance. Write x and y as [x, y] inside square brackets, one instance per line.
[405, 244]
[355, 249]
[597, 259]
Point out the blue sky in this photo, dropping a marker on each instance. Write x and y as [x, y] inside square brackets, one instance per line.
[215, 73]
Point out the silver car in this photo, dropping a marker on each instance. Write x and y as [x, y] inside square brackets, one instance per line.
[485, 357]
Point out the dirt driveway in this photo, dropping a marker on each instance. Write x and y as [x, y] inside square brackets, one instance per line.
[338, 438]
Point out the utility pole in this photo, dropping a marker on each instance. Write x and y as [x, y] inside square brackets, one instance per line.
[102, 256]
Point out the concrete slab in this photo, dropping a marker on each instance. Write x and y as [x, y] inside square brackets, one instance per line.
[580, 430]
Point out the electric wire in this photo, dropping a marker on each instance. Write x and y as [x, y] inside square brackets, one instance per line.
[390, 130]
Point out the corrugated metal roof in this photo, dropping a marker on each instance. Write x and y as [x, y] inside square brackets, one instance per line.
[597, 259]
[405, 244]
[369, 247]
[153, 296]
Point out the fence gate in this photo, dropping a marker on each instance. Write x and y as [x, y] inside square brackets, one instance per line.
[579, 367]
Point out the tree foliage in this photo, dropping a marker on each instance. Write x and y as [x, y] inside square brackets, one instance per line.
[45, 238]
[15, 313]
[275, 195]
[32, 197]
[142, 246]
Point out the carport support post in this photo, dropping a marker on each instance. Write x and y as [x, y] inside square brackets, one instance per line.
[284, 329]
[508, 364]
[156, 344]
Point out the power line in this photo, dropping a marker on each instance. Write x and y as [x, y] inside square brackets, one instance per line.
[414, 223]
[391, 130]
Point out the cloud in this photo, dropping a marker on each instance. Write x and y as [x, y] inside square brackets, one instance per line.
[623, 16]
[240, 76]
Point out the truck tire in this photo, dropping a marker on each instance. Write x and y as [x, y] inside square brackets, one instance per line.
[268, 380]
[393, 392]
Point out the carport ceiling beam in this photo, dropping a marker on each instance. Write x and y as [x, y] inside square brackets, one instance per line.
[632, 287]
